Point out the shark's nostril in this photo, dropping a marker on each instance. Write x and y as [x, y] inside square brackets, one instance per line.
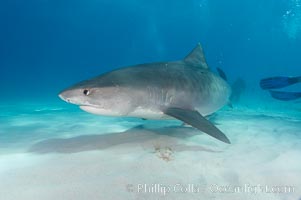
[68, 100]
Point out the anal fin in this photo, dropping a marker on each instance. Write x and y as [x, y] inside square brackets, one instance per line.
[196, 120]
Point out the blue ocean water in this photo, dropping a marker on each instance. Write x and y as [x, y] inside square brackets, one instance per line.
[46, 46]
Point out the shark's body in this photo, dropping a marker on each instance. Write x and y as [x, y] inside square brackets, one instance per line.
[186, 90]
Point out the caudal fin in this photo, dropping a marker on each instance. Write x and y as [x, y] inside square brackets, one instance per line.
[278, 82]
[285, 96]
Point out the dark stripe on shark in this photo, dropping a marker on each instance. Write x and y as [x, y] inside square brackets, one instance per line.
[196, 120]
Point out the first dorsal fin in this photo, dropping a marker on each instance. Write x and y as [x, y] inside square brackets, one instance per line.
[197, 57]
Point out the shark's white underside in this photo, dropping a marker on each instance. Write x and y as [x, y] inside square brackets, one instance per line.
[140, 112]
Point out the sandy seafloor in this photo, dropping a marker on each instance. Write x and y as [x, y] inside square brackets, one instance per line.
[59, 152]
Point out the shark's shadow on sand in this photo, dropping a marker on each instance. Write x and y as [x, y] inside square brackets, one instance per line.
[151, 138]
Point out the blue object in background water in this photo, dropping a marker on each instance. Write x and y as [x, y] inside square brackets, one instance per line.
[281, 82]
[278, 82]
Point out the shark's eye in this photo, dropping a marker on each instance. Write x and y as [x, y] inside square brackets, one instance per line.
[86, 92]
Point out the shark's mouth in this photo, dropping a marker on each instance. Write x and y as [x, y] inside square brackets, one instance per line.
[98, 110]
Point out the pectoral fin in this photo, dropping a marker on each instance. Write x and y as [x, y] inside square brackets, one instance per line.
[196, 120]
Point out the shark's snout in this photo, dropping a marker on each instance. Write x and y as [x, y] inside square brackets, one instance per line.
[74, 96]
[64, 96]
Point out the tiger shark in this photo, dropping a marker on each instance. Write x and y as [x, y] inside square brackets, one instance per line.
[185, 90]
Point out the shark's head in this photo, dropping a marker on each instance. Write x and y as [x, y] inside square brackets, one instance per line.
[91, 97]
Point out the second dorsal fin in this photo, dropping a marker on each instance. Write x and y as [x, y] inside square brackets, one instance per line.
[197, 57]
